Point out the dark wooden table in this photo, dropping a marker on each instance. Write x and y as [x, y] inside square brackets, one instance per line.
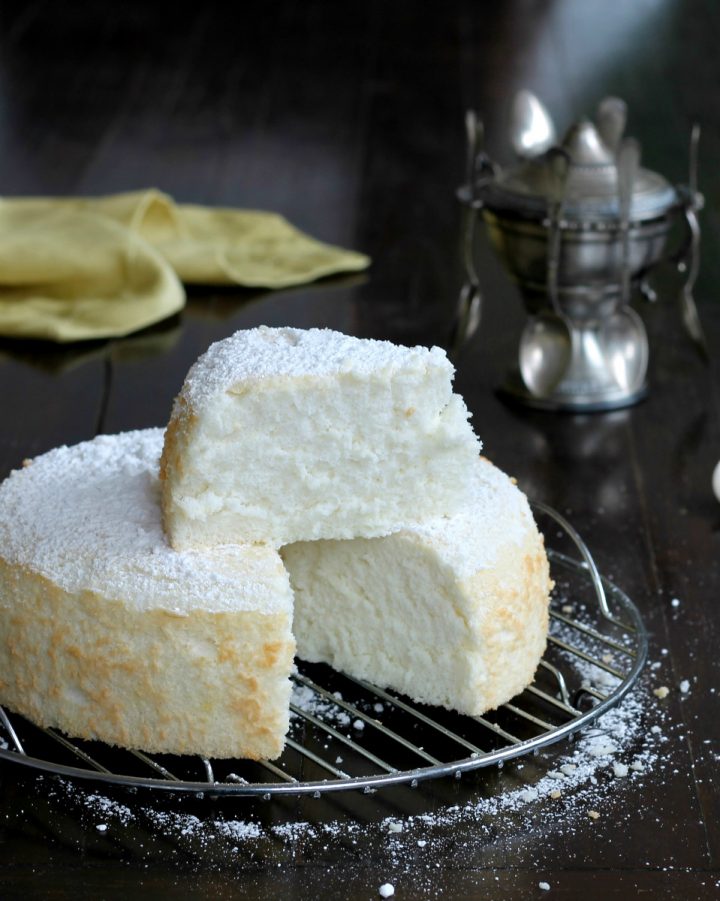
[348, 118]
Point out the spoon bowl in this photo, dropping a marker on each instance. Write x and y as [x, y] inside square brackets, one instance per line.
[531, 129]
[625, 348]
[545, 353]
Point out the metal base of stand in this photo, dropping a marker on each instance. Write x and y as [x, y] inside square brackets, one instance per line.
[515, 391]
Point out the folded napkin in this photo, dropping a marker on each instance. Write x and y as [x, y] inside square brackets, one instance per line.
[73, 269]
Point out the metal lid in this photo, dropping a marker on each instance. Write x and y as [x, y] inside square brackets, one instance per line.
[591, 192]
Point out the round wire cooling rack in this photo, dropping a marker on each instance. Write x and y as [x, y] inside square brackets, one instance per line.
[346, 734]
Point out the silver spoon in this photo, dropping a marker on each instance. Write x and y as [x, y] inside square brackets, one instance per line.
[625, 349]
[531, 129]
[622, 334]
[475, 134]
[690, 317]
[546, 343]
[628, 165]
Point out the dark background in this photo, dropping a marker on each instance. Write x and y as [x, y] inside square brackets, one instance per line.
[348, 118]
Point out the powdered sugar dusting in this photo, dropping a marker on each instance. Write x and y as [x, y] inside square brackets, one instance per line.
[261, 353]
[88, 518]
[495, 515]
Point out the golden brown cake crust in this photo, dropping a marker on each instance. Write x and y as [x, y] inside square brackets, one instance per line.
[149, 679]
[107, 633]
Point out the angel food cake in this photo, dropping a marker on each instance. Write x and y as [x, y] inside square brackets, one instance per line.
[419, 569]
[282, 435]
[108, 633]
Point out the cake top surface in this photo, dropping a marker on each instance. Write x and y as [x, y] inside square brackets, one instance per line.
[265, 353]
[496, 514]
[88, 518]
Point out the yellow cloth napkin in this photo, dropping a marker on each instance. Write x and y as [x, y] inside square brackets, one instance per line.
[73, 268]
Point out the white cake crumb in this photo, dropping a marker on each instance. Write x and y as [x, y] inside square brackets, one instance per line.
[358, 724]
[620, 770]
[661, 692]
[602, 749]
[293, 424]
[386, 890]
[395, 827]
[101, 827]
[675, 602]
[555, 794]
[685, 686]
[421, 843]
[233, 777]
[594, 814]
[545, 886]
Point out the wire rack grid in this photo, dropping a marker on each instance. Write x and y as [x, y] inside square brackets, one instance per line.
[347, 734]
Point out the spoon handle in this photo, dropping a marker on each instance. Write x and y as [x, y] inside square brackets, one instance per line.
[688, 308]
[628, 163]
[690, 317]
[558, 167]
[474, 134]
[693, 167]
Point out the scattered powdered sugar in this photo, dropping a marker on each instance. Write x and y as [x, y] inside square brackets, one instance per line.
[237, 830]
[109, 808]
[612, 754]
[304, 698]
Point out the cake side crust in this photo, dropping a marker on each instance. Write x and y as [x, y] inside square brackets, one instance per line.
[214, 684]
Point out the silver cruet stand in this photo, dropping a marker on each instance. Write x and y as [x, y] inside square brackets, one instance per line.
[577, 224]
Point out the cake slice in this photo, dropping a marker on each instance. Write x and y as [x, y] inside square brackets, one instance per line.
[282, 435]
[452, 611]
[108, 633]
